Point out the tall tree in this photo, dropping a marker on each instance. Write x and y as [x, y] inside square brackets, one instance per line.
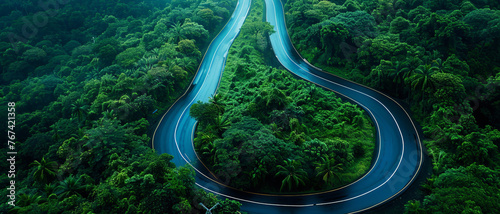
[293, 173]
[45, 171]
[70, 186]
[328, 169]
[422, 80]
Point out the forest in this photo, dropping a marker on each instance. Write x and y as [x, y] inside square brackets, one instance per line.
[440, 57]
[88, 79]
[266, 131]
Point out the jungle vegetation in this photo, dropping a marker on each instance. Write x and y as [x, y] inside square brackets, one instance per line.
[442, 57]
[87, 79]
[266, 131]
[86, 82]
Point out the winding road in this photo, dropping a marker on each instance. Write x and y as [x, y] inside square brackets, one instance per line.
[399, 150]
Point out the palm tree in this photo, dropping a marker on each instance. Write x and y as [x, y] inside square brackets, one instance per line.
[177, 32]
[45, 172]
[79, 133]
[109, 114]
[78, 109]
[421, 80]
[294, 175]
[70, 186]
[259, 173]
[220, 125]
[328, 169]
[400, 72]
[437, 160]
[49, 189]
[28, 199]
[216, 100]
[206, 145]
[187, 64]
[437, 65]
[382, 71]
[277, 131]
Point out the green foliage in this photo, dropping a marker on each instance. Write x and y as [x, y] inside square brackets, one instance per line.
[45, 171]
[128, 57]
[262, 117]
[188, 47]
[475, 185]
[328, 170]
[107, 50]
[332, 36]
[85, 90]
[194, 31]
[485, 24]
[440, 58]
[257, 28]
[35, 56]
[294, 175]
[399, 24]
[70, 186]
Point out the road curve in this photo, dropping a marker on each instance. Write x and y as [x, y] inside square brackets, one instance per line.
[398, 153]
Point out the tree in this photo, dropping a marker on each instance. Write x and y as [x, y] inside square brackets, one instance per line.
[449, 89]
[217, 101]
[35, 56]
[413, 207]
[381, 72]
[45, 170]
[204, 113]
[204, 142]
[477, 148]
[275, 98]
[70, 186]
[464, 188]
[176, 32]
[332, 36]
[422, 80]
[207, 18]
[28, 199]
[399, 73]
[456, 66]
[484, 23]
[128, 57]
[188, 47]
[399, 24]
[328, 169]
[358, 23]
[107, 54]
[195, 31]
[294, 174]
[259, 173]
[220, 124]
[257, 28]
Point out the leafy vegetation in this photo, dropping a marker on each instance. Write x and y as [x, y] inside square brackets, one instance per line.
[86, 85]
[442, 59]
[266, 131]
